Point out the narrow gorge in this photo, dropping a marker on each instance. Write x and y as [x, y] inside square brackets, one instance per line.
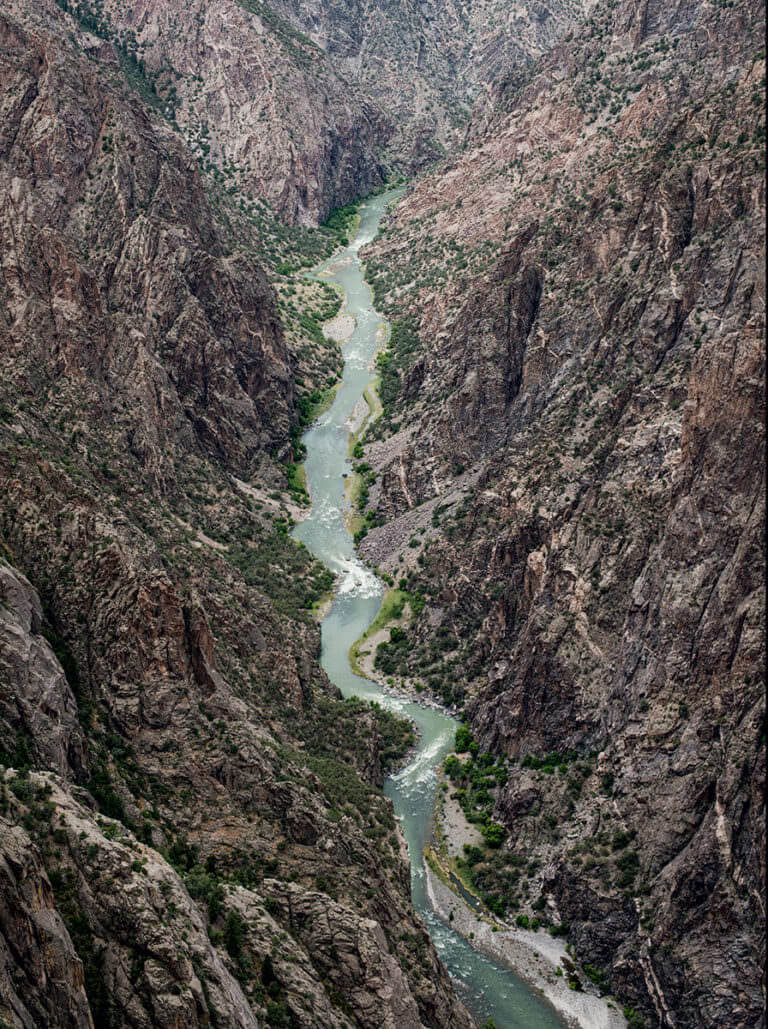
[490, 991]
[382, 507]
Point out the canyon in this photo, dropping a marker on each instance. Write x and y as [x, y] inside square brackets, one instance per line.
[566, 485]
[569, 473]
[184, 792]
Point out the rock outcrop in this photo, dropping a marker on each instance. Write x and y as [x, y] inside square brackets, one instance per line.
[37, 706]
[570, 469]
[426, 64]
[308, 106]
[180, 778]
[117, 279]
[259, 101]
[574, 449]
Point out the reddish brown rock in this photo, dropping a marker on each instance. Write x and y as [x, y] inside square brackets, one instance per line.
[580, 436]
[160, 664]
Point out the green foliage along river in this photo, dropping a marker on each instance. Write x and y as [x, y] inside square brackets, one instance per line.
[488, 990]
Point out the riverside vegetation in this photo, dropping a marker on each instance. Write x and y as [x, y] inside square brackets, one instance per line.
[570, 474]
[182, 790]
[565, 492]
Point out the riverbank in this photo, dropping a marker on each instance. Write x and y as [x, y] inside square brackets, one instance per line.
[339, 328]
[540, 960]
[396, 612]
[534, 957]
[489, 990]
[364, 413]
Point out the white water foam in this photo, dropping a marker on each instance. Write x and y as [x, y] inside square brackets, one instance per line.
[357, 361]
[357, 580]
[326, 512]
[423, 767]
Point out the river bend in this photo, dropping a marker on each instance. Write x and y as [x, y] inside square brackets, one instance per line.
[488, 990]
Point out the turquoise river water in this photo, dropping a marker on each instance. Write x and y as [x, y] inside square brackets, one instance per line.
[488, 990]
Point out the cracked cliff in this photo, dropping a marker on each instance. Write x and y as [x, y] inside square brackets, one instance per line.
[566, 483]
[570, 474]
[193, 830]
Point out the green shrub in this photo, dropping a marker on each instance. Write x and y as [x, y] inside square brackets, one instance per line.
[493, 834]
[634, 1019]
[463, 739]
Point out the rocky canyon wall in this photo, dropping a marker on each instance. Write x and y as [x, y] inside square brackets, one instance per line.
[193, 830]
[570, 472]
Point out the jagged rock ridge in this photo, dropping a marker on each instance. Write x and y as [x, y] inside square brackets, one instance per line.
[575, 453]
[425, 64]
[192, 826]
[308, 106]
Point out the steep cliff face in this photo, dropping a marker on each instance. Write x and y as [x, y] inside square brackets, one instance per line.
[192, 826]
[574, 449]
[258, 102]
[425, 64]
[38, 708]
[304, 106]
[116, 279]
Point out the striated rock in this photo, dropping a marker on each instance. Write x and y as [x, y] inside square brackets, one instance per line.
[37, 706]
[259, 101]
[426, 63]
[148, 955]
[41, 975]
[580, 434]
[306, 105]
[346, 954]
[112, 256]
[172, 741]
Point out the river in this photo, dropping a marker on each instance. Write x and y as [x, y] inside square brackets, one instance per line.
[488, 990]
